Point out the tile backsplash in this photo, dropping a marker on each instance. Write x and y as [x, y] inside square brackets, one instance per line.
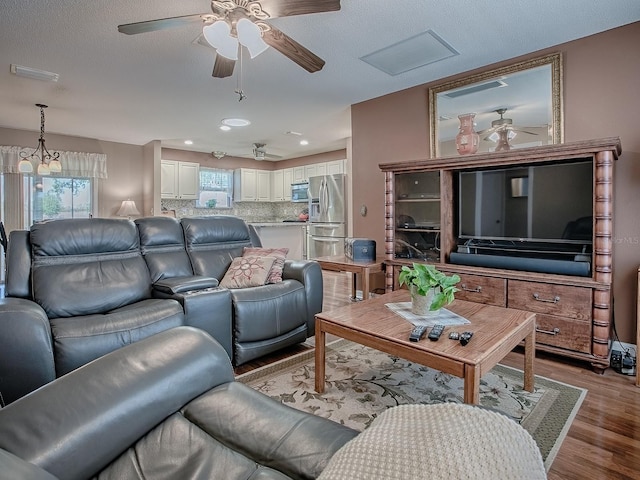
[249, 211]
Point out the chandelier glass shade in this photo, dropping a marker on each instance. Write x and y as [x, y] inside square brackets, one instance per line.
[248, 34]
[47, 162]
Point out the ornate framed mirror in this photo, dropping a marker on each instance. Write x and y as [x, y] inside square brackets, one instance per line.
[515, 106]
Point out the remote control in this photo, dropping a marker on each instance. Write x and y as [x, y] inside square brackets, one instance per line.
[465, 337]
[417, 333]
[435, 332]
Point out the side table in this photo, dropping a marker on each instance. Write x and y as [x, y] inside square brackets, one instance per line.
[340, 263]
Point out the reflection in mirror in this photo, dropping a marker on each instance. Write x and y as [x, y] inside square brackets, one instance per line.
[510, 107]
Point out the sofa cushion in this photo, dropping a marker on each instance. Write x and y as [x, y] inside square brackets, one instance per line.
[78, 340]
[213, 242]
[162, 244]
[280, 254]
[178, 449]
[87, 266]
[247, 271]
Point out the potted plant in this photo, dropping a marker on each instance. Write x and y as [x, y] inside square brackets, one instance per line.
[430, 288]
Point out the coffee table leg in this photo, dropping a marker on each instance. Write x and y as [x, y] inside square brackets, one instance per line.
[529, 354]
[320, 357]
[471, 384]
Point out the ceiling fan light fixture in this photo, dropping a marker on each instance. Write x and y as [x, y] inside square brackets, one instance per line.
[218, 34]
[250, 36]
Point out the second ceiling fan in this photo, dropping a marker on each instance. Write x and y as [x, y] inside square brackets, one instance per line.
[242, 22]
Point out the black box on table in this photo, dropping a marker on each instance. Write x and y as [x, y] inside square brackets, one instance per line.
[360, 249]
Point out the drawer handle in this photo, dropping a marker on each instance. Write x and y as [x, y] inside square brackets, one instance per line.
[536, 297]
[472, 290]
[555, 331]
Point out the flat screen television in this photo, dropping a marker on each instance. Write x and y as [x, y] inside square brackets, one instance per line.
[539, 212]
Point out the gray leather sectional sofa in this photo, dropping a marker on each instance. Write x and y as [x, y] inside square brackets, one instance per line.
[77, 289]
[164, 408]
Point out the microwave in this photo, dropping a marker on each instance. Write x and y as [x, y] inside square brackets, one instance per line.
[300, 192]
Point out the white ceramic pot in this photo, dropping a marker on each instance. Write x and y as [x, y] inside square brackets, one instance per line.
[421, 304]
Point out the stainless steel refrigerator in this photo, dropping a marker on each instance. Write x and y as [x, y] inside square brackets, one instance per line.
[327, 216]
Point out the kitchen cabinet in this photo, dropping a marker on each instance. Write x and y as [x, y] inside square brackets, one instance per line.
[179, 180]
[298, 174]
[310, 171]
[281, 181]
[335, 167]
[251, 185]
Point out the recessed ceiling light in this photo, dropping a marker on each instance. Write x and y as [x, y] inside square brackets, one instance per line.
[304, 142]
[225, 128]
[188, 142]
[235, 122]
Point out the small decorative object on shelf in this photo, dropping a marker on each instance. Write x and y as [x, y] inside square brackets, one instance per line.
[430, 288]
[467, 140]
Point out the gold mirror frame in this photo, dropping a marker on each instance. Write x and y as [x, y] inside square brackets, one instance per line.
[557, 120]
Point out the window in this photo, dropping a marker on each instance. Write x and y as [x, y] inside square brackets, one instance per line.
[57, 197]
[216, 188]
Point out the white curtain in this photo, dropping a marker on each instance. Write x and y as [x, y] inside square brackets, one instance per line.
[74, 164]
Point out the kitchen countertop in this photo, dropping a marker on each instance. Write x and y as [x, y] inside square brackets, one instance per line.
[277, 224]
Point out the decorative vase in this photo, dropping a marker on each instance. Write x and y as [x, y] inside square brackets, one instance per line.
[421, 304]
[467, 140]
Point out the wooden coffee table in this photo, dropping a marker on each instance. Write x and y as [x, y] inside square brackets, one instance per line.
[496, 331]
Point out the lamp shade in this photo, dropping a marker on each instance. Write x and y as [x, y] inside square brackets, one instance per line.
[127, 209]
[218, 34]
[250, 36]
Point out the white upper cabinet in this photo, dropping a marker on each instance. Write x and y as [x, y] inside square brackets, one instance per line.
[179, 180]
[281, 181]
[335, 167]
[251, 185]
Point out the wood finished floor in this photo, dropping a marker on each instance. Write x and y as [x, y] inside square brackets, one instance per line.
[604, 439]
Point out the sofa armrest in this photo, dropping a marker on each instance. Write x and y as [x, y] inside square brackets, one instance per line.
[76, 425]
[185, 284]
[26, 349]
[209, 310]
[309, 274]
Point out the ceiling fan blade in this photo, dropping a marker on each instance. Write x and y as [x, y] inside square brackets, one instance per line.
[223, 67]
[288, 8]
[293, 50]
[160, 24]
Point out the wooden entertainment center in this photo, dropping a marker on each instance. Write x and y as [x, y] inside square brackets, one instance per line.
[574, 310]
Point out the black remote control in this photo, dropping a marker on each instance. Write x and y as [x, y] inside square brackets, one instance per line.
[435, 332]
[465, 337]
[417, 333]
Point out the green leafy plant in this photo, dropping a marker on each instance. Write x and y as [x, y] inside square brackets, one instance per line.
[425, 277]
[212, 203]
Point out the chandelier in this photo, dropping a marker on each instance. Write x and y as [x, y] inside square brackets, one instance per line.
[47, 162]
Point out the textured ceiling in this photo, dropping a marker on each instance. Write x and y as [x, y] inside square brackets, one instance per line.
[158, 85]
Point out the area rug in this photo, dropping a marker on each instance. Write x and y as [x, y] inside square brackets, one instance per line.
[363, 382]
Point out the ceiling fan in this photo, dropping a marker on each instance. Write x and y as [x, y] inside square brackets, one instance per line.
[260, 152]
[244, 22]
[502, 131]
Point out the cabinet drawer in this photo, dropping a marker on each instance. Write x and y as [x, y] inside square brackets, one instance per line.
[572, 302]
[570, 334]
[479, 289]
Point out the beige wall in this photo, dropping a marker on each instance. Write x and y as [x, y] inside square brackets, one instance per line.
[124, 165]
[601, 82]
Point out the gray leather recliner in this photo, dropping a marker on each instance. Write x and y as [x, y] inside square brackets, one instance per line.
[80, 288]
[165, 408]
